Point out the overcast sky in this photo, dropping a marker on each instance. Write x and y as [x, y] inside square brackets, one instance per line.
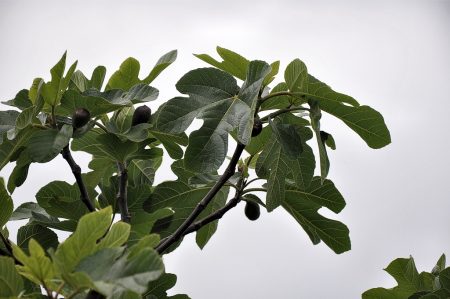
[391, 55]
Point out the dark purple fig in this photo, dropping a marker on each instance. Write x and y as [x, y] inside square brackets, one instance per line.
[80, 118]
[257, 127]
[252, 210]
[141, 115]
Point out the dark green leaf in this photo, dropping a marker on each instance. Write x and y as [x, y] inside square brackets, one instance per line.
[296, 76]
[11, 148]
[162, 63]
[6, 204]
[45, 145]
[20, 101]
[46, 237]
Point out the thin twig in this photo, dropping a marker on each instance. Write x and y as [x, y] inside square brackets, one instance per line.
[76, 170]
[282, 111]
[229, 171]
[101, 126]
[251, 181]
[122, 196]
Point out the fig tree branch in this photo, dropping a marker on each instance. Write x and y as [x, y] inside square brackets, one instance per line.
[122, 196]
[229, 171]
[76, 170]
[282, 111]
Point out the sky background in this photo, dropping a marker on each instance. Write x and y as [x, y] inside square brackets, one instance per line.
[390, 55]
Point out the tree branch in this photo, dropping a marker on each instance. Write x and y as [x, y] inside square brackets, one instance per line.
[282, 111]
[76, 170]
[214, 216]
[122, 196]
[229, 171]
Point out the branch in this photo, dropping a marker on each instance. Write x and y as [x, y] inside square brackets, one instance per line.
[214, 216]
[76, 170]
[122, 196]
[229, 171]
[282, 111]
[254, 190]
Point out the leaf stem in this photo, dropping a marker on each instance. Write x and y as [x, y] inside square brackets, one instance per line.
[276, 94]
[229, 171]
[101, 126]
[76, 170]
[251, 181]
[253, 190]
[282, 111]
[122, 196]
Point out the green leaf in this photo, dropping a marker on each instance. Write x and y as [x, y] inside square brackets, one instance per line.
[171, 142]
[142, 223]
[333, 233]
[142, 172]
[365, 121]
[278, 102]
[274, 68]
[20, 101]
[83, 242]
[116, 236]
[160, 287]
[11, 284]
[214, 97]
[315, 116]
[162, 63]
[6, 203]
[104, 145]
[182, 199]
[97, 78]
[12, 148]
[273, 165]
[95, 102]
[257, 143]
[60, 199]
[409, 281]
[53, 90]
[296, 76]
[45, 145]
[288, 137]
[232, 63]
[113, 273]
[7, 122]
[141, 93]
[44, 236]
[36, 266]
[126, 77]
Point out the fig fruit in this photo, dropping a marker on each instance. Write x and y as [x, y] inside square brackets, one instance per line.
[257, 127]
[141, 115]
[80, 118]
[252, 210]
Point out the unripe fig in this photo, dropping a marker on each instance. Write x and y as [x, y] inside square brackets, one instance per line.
[257, 127]
[80, 117]
[252, 210]
[141, 115]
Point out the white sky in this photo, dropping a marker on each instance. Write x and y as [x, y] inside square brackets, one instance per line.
[391, 55]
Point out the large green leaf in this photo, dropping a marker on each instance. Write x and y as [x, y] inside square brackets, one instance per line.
[45, 145]
[142, 172]
[214, 97]
[365, 121]
[83, 242]
[60, 199]
[171, 142]
[142, 223]
[6, 203]
[304, 208]
[11, 284]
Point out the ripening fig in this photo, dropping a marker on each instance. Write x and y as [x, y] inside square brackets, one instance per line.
[141, 115]
[257, 127]
[80, 118]
[252, 210]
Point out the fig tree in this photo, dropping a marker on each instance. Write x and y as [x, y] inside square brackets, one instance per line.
[252, 210]
[141, 115]
[80, 118]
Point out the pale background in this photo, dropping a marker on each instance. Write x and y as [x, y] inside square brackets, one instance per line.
[391, 55]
